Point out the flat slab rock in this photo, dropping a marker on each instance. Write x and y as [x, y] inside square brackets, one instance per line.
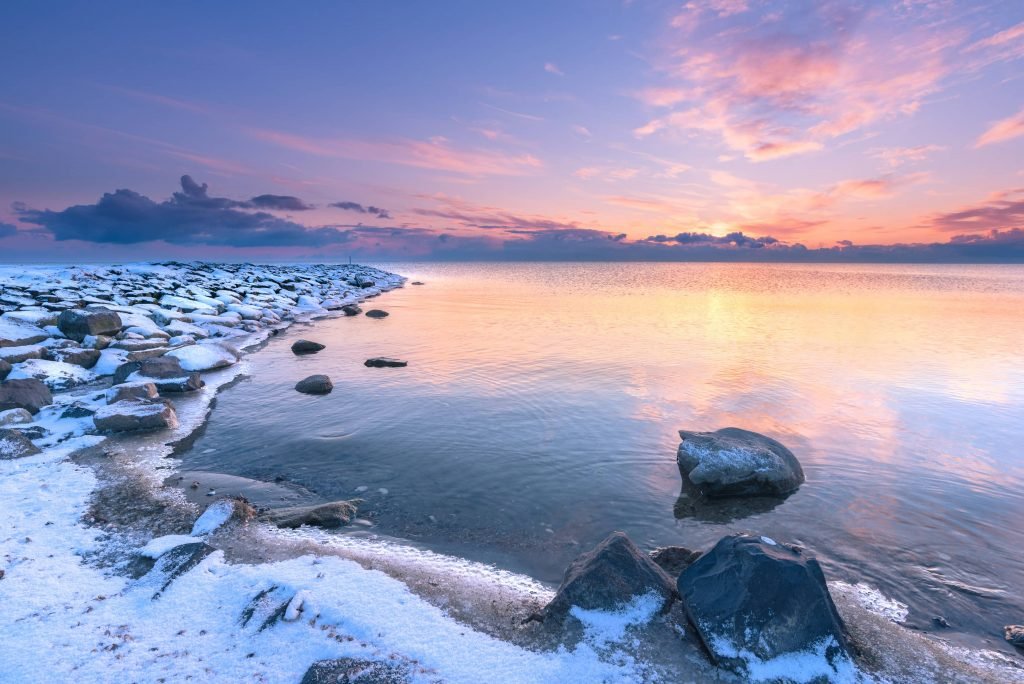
[13, 444]
[353, 671]
[754, 598]
[385, 362]
[328, 516]
[315, 384]
[736, 462]
[135, 414]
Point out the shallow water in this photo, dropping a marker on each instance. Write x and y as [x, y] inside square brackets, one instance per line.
[540, 407]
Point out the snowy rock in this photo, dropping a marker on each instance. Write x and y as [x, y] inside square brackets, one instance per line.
[753, 601]
[177, 562]
[735, 462]
[132, 415]
[15, 333]
[17, 416]
[23, 353]
[221, 512]
[186, 305]
[385, 362]
[131, 390]
[30, 395]
[352, 309]
[315, 384]
[57, 375]
[377, 313]
[353, 671]
[608, 577]
[163, 371]
[328, 516]
[77, 324]
[86, 358]
[13, 444]
[158, 546]
[38, 318]
[253, 313]
[204, 357]
[306, 347]
[177, 328]
[308, 302]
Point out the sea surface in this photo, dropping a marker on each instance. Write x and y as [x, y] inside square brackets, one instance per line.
[541, 405]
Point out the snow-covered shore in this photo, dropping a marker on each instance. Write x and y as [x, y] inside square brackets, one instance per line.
[263, 604]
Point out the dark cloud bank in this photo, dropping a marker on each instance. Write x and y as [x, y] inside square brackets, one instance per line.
[193, 217]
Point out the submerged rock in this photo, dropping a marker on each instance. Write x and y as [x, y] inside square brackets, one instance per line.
[352, 309]
[674, 559]
[608, 577]
[29, 394]
[315, 384]
[353, 671]
[306, 347]
[329, 516]
[377, 313]
[752, 599]
[13, 444]
[1014, 634]
[135, 414]
[78, 324]
[735, 462]
[385, 362]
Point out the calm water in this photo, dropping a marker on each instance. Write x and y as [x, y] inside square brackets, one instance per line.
[540, 407]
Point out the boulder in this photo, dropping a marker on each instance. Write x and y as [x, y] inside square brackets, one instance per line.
[352, 309]
[78, 324]
[5, 368]
[735, 462]
[15, 333]
[204, 357]
[29, 394]
[354, 671]
[132, 390]
[86, 358]
[315, 384]
[377, 313]
[328, 516]
[306, 347]
[222, 512]
[56, 375]
[674, 559]
[163, 371]
[385, 362]
[1014, 634]
[136, 414]
[14, 355]
[608, 577]
[13, 444]
[17, 416]
[753, 599]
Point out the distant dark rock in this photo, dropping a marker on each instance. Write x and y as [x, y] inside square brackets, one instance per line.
[353, 671]
[13, 444]
[29, 394]
[315, 384]
[385, 362]
[1014, 634]
[734, 462]
[608, 577]
[306, 347]
[352, 309]
[754, 595]
[674, 559]
[78, 324]
[328, 516]
[417, 282]
[377, 313]
[135, 415]
[5, 368]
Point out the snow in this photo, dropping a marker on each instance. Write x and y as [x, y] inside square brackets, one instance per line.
[56, 375]
[215, 515]
[871, 599]
[803, 666]
[158, 546]
[728, 465]
[203, 357]
[603, 627]
[15, 333]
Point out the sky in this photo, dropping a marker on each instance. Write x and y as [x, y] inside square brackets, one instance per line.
[458, 130]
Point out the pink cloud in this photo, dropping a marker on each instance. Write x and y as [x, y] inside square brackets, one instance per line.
[898, 156]
[1003, 130]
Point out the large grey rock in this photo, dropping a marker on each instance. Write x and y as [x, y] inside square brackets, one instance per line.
[377, 313]
[385, 362]
[735, 462]
[315, 384]
[13, 444]
[80, 323]
[329, 516]
[306, 347]
[134, 415]
[86, 358]
[353, 671]
[29, 394]
[5, 368]
[608, 577]
[752, 595]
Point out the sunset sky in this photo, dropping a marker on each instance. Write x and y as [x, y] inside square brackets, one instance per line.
[538, 130]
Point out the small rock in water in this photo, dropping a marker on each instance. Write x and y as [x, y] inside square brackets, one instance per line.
[315, 384]
[361, 488]
[940, 622]
[306, 347]
[377, 313]
[385, 362]
[13, 444]
[352, 309]
[383, 491]
[734, 462]
[1014, 634]
[417, 282]
[327, 516]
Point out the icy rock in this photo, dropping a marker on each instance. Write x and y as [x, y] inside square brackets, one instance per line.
[204, 357]
[185, 304]
[163, 371]
[5, 368]
[178, 561]
[377, 313]
[221, 512]
[752, 602]
[735, 462]
[13, 444]
[247, 312]
[328, 516]
[77, 324]
[97, 341]
[385, 362]
[23, 353]
[132, 390]
[15, 333]
[177, 328]
[353, 671]
[37, 317]
[158, 546]
[29, 394]
[86, 358]
[315, 384]
[306, 347]
[17, 416]
[132, 415]
[352, 309]
[57, 375]
[608, 577]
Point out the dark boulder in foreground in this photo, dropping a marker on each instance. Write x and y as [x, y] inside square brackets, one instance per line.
[377, 313]
[352, 309]
[1014, 634]
[78, 324]
[29, 394]
[751, 597]
[5, 368]
[13, 444]
[306, 347]
[315, 384]
[609, 576]
[674, 559]
[328, 516]
[385, 362]
[735, 462]
[352, 671]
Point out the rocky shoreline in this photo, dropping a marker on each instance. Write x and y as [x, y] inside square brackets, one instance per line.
[83, 471]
